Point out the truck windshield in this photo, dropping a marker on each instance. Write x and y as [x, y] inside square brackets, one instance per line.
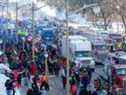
[82, 53]
[100, 47]
[121, 71]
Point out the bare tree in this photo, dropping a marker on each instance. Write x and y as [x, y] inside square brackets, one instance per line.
[73, 4]
[119, 6]
[105, 14]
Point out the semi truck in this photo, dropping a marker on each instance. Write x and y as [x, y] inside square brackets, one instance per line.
[79, 49]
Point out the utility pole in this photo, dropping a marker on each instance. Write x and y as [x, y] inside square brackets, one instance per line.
[7, 13]
[16, 16]
[67, 45]
[2, 11]
[33, 30]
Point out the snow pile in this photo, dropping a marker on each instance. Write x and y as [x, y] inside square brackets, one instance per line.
[3, 79]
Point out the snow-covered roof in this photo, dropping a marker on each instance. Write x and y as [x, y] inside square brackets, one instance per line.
[119, 54]
[119, 66]
[1, 52]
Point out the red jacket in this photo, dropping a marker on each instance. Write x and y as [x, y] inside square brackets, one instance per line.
[73, 89]
[33, 69]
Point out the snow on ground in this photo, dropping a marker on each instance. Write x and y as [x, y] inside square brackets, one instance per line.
[3, 79]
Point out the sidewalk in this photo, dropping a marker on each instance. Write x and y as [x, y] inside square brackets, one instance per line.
[21, 91]
[56, 86]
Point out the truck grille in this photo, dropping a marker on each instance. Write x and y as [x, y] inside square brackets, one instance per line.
[86, 61]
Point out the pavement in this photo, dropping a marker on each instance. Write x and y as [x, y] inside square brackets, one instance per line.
[56, 86]
[56, 83]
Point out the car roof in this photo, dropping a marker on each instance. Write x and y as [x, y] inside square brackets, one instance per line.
[119, 54]
[118, 66]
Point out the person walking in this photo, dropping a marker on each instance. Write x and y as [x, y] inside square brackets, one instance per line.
[44, 87]
[63, 76]
[73, 86]
[33, 68]
[9, 87]
[30, 92]
[43, 91]
[35, 87]
[84, 82]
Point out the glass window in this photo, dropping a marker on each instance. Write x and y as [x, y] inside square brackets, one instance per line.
[82, 54]
[121, 71]
[100, 47]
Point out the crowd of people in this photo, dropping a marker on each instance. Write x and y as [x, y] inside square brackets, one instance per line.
[29, 70]
[27, 66]
[82, 83]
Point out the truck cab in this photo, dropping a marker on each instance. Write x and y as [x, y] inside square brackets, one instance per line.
[81, 53]
[80, 50]
[100, 50]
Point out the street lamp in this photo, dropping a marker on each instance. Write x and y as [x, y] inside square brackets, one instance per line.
[16, 16]
[67, 45]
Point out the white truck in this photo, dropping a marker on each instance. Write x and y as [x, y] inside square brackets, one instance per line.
[100, 50]
[80, 50]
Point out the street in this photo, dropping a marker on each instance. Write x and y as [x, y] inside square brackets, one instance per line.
[62, 47]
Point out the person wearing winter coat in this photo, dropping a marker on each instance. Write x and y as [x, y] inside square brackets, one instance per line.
[44, 91]
[30, 92]
[35, 87]
[33, 69]
[9, 87]
[73, 89]
[63, 76]
[45, 85]
[73, 86]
